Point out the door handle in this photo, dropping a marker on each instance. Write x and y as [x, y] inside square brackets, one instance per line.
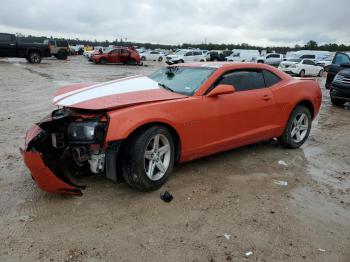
[12, 44]
[267, 97]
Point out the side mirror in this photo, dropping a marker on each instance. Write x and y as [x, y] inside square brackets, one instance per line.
[221, 90]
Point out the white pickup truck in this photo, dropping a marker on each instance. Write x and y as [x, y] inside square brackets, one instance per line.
[271, 59]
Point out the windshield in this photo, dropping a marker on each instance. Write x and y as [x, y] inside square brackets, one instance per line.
[183, 80]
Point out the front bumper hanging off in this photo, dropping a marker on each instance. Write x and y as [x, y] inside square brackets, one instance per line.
[41, 173]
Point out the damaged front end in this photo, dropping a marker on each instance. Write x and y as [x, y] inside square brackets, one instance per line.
[64, 145]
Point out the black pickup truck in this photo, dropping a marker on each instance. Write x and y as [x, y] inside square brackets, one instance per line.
[340, 62]
[10, 46]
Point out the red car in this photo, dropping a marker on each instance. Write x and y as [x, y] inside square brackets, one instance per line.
[138, 127]
[118, 55]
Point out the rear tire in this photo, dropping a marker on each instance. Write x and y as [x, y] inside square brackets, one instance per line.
[143, 162]
[297, 129]
[320, 74]
[34, 57]
[62, 55]
[302, 73]
[143, 58]
[160, 59]
[337, 102]
[181, 61]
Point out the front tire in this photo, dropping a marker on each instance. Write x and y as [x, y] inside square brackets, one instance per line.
[160, 59]
[103, 61]
[62, 55]
[320, 74]
[149, 159]
[298, 128]
[34, 57]
[302, 73]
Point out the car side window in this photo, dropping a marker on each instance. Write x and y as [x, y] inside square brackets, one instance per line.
[125, 51]
[189, 54]
[270, 78]
[308, 62]
[244, 80]
[5, 38]
[197, 53]
[341, 58]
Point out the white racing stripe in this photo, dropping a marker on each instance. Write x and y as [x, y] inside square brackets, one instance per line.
[59, 97]
[106, 89]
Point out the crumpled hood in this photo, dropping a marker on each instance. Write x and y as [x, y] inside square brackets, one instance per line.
[113, 94]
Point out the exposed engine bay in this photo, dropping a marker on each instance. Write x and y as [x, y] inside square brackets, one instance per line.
[71, 143]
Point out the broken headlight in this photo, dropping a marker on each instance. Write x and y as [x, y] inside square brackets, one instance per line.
[86, 132]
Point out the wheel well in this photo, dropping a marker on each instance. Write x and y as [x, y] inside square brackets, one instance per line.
[308, 105]
[33, 50]
[177, 140]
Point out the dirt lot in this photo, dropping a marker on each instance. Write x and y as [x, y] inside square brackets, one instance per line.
[230, 193]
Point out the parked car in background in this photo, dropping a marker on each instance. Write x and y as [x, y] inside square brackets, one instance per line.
[301, 67]
[186, 56]
[152, 56]
[11, 46]
[340, 88]
[273, 59]
[243, 55]
[218, 55]
[118, 55]
[340, 61]
[325, 61]
[58, 48]
[137, 128]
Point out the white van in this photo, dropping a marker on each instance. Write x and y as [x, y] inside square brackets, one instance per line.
[243, 55]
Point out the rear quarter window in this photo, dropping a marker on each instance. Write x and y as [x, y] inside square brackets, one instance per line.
[270, 78]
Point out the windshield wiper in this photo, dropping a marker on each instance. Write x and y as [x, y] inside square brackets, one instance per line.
[166, 87]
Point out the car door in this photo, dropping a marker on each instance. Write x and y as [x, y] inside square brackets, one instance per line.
[113, 56]
[188, 57]
[306, 66]
[124, 56]
[7, 45]
[243, 117]
[153, 55]
[313, 68]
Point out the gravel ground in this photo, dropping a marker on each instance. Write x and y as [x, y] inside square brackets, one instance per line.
[224, 205]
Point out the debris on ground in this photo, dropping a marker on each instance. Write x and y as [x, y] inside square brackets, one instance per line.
[280, 183]
[166, 197]
[26, 219]
[282, 163]
[322, 250]
[227, 236]
[248, 253]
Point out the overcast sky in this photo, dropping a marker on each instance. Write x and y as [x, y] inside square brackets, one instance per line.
[259, 22]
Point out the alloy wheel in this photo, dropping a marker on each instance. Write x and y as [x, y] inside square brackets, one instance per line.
[300, 127]
[157, 157]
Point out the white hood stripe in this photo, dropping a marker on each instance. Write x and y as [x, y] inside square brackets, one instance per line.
[106, 89]
[59, 97]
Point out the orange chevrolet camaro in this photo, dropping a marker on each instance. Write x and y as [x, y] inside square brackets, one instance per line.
[136, 128]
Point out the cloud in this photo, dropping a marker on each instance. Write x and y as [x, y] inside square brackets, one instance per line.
[259, 22]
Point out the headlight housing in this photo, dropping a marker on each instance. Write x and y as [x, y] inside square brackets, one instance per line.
[86, 132]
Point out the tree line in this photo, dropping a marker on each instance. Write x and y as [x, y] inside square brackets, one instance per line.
[310, 45]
